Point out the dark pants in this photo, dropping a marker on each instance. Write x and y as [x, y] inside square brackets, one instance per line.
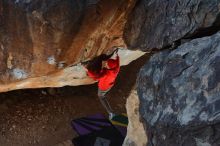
[104, 101]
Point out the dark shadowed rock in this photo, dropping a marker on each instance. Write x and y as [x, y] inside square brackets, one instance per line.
[158, 23]
[179, 93]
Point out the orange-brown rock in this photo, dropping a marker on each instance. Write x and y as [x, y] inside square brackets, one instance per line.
[40, 40]
[136, 131]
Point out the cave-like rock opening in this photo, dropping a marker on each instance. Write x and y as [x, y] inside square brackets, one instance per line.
[42, 116]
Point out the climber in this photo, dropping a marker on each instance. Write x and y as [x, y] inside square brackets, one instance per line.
[105, 76]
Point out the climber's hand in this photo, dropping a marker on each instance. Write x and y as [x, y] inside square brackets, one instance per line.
[116, 51]
[114, 56]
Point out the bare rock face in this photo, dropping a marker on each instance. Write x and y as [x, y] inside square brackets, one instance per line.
[159, 23]
[179, 93]
[74, 75]
[178, 89]
[39, 40]
[136, 134]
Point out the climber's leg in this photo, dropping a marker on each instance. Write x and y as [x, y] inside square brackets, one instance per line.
[104, 101]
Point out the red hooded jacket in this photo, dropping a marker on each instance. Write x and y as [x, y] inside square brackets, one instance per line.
[106, 78]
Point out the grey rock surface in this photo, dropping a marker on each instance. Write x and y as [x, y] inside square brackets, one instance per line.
[158, 23]
[179, 94]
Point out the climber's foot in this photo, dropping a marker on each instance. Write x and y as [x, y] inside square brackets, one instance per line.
[111, 116]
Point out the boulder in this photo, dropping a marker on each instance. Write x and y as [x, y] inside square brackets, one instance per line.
[179, 93]
[158, 23]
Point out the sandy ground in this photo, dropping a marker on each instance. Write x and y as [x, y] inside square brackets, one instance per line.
[41, 117]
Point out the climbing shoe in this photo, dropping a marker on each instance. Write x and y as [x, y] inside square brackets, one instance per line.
[111, 116]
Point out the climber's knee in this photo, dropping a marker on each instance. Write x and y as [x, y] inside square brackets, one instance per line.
[102, 93]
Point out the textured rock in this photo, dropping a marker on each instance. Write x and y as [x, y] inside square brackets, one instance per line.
[136, 134]
[158, 23]
[43, 38]
[179, 93]
[73, 75]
